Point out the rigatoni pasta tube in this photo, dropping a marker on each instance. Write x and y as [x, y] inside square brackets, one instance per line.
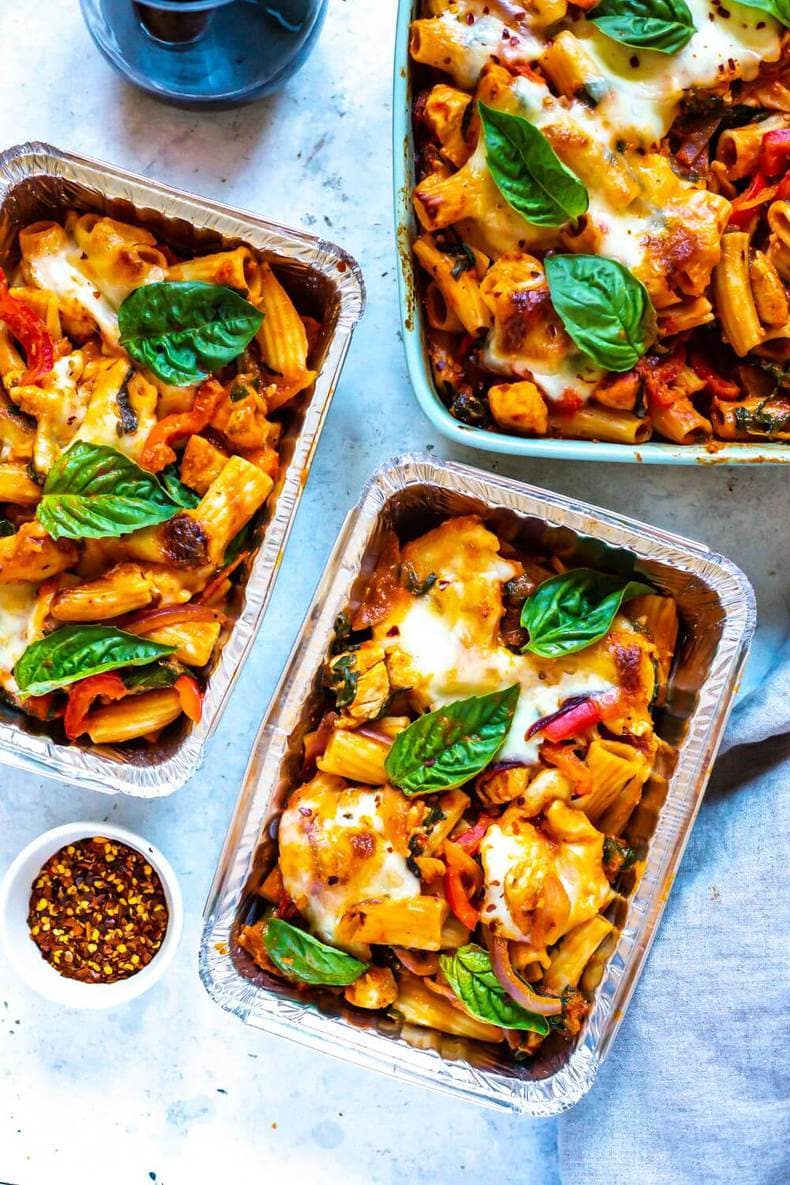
[681, 422]
[601, 423]
[135, 716]
[439, 314]
[612, 765]
[461, 292]
[194, 640]
[230, 502]
[739, 148]
[414, 922]
[234, 269]
[733, 294]
[573, 953]
[121, 590]
[282, 336]
[117, 255]
[420, 1006]
[16, 484]
[355, 756]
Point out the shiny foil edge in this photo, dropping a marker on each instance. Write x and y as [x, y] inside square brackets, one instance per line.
[301, 1022]
[93, 770]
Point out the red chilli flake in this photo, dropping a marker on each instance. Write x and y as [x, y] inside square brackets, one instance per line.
[97, 911]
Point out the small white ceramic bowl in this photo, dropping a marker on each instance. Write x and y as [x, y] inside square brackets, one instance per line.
[24, 955]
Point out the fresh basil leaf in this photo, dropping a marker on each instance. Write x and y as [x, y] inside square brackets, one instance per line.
[95, 492]
[471, 976]
[184, 330]
[663, 25]
[160, 674]
[447, 747]
[527, 171]
[603, 307]
[75, 651]
[778, 9]
[178, 492]
[300, 956]
[571, 611]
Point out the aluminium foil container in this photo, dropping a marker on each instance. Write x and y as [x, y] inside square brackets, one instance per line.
[717, 609]
[38, 181]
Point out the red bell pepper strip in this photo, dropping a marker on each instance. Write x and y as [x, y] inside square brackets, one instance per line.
[775, 151]
[81, 697]
[191, 697]
[458, 896]
[158, 451]
[569, 722]
[717, 385]
[576, 716]
[744, 207]
[30, 331]
[469, 840]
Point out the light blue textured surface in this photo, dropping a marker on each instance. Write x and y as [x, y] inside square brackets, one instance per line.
[171, 1085]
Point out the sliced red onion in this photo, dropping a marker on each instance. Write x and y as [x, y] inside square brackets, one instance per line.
[517, 988]
[544, 721]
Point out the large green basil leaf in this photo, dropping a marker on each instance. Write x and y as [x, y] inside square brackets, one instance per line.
[573, 610]
[527, 171]
[471, 976]
[75, 651]
[300, 956]
[778, 9]
[184, 330]
[95, 492]
[662, 25]
[603, 307]
[447, 747]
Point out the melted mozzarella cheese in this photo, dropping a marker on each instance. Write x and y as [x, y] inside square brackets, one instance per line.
[445, 666]
[334, 854]
[445, 645]
[575, 374]
[19, 626]
[518, 858]
[55, 271]
[496, 228]
[482, 40]
[646, 86]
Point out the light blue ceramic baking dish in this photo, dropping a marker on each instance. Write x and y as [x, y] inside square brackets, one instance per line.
[414, 336]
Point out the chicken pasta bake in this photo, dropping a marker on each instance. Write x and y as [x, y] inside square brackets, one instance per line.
[140, 419]
[603, 204]
[455, 851]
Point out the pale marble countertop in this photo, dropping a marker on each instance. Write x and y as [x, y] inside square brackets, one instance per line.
[170, 1089]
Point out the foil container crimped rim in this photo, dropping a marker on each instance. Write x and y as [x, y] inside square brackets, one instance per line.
[36, 161]
[302, 1022]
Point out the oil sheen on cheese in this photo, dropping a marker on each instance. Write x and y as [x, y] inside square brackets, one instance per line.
[334, 854]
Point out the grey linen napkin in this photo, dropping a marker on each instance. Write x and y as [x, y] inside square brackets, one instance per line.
[696, 1089]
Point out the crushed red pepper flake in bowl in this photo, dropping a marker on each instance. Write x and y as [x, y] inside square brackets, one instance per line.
[98, 911]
